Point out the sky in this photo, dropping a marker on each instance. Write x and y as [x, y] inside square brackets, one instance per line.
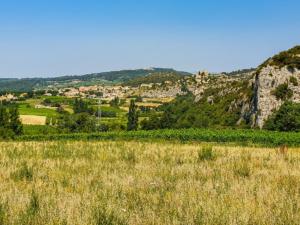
[46, 38]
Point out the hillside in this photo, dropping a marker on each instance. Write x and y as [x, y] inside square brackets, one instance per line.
[247, 98]
[157, 77]
[276, 82]
[28, 84]
[289, 59]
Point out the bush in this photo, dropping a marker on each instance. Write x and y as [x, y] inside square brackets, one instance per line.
[47, 102]
[103, 127]
[81, 122]
[242, 169]
[139, 99]
[287, 118]
[129, 156]
[109, 114]
[3, 213]
[115, 102]
[289, 58]
[294, 81]
[205, 154]
[283, 92]
[104, 217]
[153, 123]
[6, 134]
[34, 205]
[23, 173]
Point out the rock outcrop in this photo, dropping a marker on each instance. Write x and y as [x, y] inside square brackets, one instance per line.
[266, 82]
[253, 95]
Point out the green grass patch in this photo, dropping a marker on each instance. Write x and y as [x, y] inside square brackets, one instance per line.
[39, 129]
[26, 109]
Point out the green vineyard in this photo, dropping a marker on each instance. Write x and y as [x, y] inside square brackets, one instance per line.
[250, 137]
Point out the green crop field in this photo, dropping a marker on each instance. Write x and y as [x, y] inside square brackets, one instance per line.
[133, 182]
[39, 129]
[26, 109]
[242, 137]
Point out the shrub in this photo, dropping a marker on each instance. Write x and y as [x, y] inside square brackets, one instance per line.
[153, 123]
[139, 99]
[34, 204]
[81, 122]
[2, 214]
[289, 58]
[115, 102]
[103, 217]
[6, 134]
[283, 92]
[242, 169]
[23, 173]
[294, 81]
[205, 154]
[107, 114]
[129, 156]
[287, 118]
[29, 216]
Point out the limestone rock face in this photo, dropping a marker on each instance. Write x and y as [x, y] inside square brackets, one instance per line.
[265, 102]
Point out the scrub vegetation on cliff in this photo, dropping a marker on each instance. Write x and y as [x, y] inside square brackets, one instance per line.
[289, 58]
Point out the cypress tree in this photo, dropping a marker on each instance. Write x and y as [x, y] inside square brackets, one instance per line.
[80, 106]
[132, 123]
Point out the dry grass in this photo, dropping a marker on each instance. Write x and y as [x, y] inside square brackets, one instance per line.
[33, 120]
[147, 183]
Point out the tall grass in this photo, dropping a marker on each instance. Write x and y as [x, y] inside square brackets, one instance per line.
[130, 182]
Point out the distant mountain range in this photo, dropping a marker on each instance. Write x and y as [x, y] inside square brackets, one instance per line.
[113, 77]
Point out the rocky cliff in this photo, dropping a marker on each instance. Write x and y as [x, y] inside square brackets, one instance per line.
[253, 96]
[269, 82]
[276, 81]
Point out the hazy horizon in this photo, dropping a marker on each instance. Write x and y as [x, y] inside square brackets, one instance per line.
[116, 70]
[58, 38]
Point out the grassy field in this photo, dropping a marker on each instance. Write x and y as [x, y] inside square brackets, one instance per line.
[33, 120]
[134, 182]
[26, 109]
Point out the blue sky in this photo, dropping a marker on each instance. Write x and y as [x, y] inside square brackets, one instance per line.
[65, 37]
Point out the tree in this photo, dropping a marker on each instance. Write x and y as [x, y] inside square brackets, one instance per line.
[81, 122]
[139, 99]
[283, 92]
[115, 102]
[287, 118]
[14, 121]
[133, 117]
[4, 117]
[153, 123]
[80, 106]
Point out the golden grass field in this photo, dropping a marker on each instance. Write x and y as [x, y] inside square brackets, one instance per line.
[33, 120]
[135, 182]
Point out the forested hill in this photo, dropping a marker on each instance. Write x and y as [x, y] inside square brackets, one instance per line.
[156, 77]
[28, 84]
